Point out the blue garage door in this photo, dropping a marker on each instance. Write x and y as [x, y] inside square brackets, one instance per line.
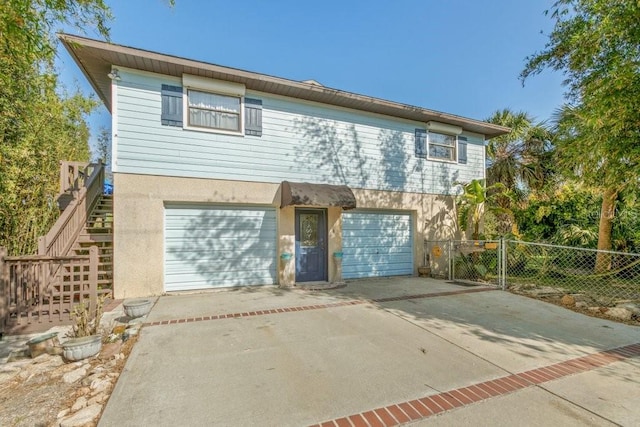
[376, 244]
[219, 246]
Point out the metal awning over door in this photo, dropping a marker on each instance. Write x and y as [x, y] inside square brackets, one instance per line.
[324, 195]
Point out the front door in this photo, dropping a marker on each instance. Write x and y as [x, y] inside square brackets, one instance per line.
[311, 245]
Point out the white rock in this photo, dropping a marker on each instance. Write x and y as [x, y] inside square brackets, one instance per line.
[48, 362]
[581, 304]
[8, 375]
[42, 358]
[11, 368]
[136, 322]
[19, 356]
[25, 374]
[98, 398]
[619, 313]
[75, 375]
[98, 370]
[100, 385]
[91, 378]
[80, 403]
[63, 413]
[633, 308]
[82, 417]
[18, 364]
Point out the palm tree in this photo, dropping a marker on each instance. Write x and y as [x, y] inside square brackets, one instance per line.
[474, 201]
[518, 160]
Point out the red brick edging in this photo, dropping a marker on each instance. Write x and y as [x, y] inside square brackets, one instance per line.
[400, 413]
[314, 307]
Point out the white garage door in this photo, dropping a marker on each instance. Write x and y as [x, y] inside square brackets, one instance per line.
[218, 246]
[376, 244]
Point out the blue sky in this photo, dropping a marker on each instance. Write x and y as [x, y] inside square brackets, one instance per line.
[458, 56]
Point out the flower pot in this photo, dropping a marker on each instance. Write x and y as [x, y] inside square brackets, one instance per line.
[137, 307]
[286, 256]
[81, 348]
[424, 271]
[42, 344]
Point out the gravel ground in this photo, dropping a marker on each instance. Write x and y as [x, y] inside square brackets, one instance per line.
[34, 392]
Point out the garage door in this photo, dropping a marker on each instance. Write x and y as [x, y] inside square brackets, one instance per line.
[217, 246]
[376, 244]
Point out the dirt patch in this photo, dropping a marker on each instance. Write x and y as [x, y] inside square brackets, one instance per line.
[590, 310]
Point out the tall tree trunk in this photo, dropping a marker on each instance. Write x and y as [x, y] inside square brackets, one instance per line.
[603, 260]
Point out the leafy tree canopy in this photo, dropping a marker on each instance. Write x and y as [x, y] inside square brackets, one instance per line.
[40, 124]
[596, 44]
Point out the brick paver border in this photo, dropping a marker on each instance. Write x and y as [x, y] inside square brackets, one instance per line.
[316, 306]
[401, 413]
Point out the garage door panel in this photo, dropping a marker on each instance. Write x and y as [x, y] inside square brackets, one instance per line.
[376, 244]
[219, 246]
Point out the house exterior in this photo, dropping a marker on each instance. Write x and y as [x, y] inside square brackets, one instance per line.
[224, 177]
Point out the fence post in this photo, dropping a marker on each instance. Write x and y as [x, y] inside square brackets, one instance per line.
[501, 263]
[4, 289]
[503, 255]
[93, 278]
[451, 263]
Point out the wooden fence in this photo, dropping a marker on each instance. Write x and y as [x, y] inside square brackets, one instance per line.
[40, 288]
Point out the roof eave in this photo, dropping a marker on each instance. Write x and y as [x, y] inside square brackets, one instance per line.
[96, 58]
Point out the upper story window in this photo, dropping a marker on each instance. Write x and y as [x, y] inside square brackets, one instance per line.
[214, 111]
[211, 105]
[442, 146]
[447, 147]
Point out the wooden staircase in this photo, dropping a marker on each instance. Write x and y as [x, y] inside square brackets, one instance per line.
[74, 261]
[98, 231]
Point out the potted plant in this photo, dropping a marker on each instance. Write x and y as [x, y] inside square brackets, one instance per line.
[85, 341]
[137, 307]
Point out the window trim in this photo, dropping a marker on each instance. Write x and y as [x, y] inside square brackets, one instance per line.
[453, 159]
[185, 113]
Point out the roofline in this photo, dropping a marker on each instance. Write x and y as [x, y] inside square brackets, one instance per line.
[95, 59]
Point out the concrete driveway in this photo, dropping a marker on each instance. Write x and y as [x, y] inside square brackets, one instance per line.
[378, 352]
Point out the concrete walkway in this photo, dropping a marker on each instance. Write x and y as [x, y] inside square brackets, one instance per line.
[378, 352]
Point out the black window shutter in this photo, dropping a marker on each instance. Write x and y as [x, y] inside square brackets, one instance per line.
[462, 149]
[171, 105]
[253, 117]
[421, 143]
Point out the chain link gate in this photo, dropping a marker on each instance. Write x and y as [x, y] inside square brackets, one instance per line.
[478, 262]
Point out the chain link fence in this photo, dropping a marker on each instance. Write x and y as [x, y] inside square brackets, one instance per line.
[541, 269]
[604, 276]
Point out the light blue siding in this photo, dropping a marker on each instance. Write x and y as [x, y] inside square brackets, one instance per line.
[218, 246]
[301, 141]
[376, 244]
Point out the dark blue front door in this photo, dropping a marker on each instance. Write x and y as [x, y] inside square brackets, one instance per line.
[311, 245]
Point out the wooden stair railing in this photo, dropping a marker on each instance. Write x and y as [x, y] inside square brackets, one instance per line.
[47, 285]
[59, 240]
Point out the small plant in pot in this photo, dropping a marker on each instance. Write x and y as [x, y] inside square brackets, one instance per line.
[86, 340]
